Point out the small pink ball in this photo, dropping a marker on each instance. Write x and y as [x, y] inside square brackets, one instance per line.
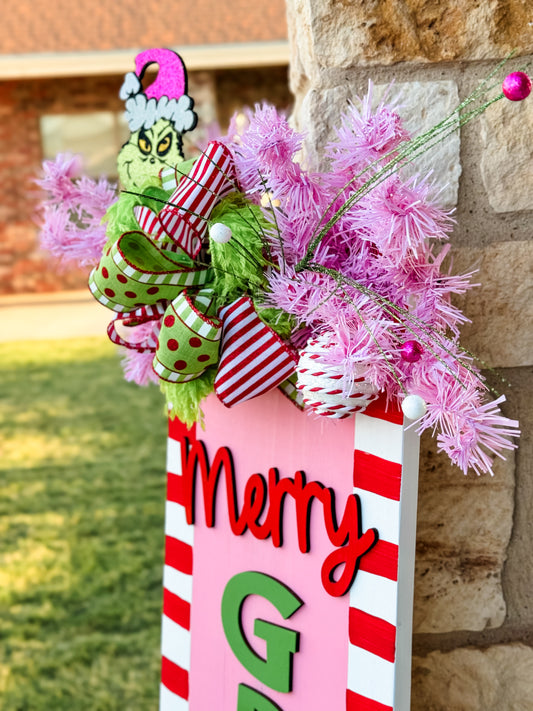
[516, 86]
[411, 351]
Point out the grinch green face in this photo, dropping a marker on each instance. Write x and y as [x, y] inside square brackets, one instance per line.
[147, 152]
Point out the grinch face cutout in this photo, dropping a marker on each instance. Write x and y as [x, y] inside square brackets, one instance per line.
[147, 152]
[157, 117]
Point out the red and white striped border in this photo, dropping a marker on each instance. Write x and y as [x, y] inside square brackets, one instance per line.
[381, 597]
[177, 583]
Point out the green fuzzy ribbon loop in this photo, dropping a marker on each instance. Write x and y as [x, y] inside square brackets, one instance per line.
[120, 217]
[238, 264]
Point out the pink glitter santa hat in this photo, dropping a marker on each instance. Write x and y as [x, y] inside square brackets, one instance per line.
[165, 98]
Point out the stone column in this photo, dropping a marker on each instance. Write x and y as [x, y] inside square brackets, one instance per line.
[473, 628]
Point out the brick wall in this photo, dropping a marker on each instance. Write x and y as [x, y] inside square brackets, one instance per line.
[23, 266]
[473, 617]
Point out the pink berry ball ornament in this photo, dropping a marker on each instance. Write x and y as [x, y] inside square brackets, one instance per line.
[516, 86]
[411, 351]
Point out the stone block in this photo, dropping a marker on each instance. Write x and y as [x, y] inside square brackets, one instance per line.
[420, 104]
[518, 572]
[507, 155]
[301, 46]
[501, 308]
[316, 117]
[340, 34]
[499, 678]
[463, 529]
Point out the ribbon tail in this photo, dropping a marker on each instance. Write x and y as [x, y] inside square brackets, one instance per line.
[254, 358]
[135, 270]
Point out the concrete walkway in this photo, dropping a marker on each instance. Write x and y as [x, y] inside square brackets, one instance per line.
[65, 314]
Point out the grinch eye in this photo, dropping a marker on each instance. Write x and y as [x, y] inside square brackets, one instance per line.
[144, 143]
[164, 144]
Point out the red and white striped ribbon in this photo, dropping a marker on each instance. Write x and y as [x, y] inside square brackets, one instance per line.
[177, 583]
[211, 178]
[148, 221]
[136, 318]
[380, 618]
[253, 357]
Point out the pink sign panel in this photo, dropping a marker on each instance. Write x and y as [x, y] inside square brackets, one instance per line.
[280, 589]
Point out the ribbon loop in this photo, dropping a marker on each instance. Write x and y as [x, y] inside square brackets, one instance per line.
[148, 221]
[136, 272]
[136, 318]
[190, 337]
[184, 220]
[254, 359]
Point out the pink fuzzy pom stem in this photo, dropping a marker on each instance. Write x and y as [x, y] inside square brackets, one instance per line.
[516, 86]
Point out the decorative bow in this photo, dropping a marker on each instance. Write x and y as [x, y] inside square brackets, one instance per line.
[145, 276]
[188, 340]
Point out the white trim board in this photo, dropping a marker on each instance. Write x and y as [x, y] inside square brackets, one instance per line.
[196, 57]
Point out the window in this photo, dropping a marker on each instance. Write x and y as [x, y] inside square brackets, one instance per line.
[97, 136]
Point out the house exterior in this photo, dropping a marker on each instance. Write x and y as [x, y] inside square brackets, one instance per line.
[61, 66]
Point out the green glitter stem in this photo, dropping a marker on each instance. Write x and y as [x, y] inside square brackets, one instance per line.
[404, 154]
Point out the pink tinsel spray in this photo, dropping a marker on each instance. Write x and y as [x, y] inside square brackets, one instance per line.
[137, 366]
[263, 146]
[71, 214]
[392, 287]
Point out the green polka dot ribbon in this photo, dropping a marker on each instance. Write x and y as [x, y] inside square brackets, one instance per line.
[189, 339]
[136, 272]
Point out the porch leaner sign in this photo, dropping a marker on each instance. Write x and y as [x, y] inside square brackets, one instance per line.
[288, 561]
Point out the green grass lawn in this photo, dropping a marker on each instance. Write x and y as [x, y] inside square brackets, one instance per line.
[82, 488]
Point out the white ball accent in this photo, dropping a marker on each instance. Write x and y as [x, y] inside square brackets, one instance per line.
[413, 407]
[220, 233]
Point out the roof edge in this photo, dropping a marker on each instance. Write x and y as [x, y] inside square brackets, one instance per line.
[98, 63]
